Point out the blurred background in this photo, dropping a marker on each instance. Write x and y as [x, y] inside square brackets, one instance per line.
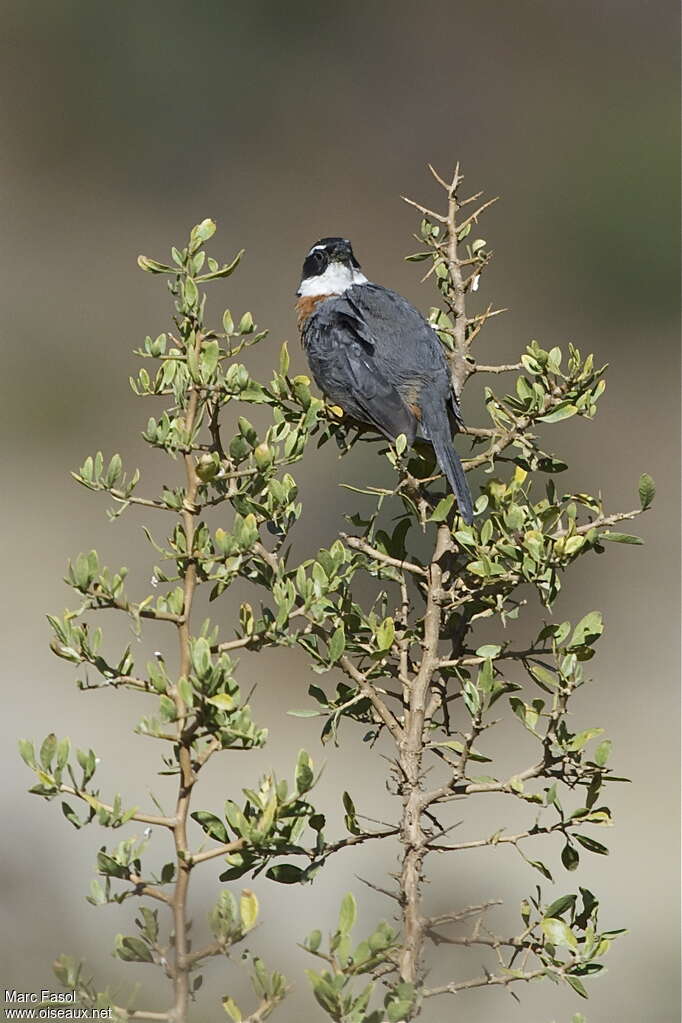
[121, 125]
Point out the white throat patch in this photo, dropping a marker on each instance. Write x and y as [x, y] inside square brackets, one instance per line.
[336, 279]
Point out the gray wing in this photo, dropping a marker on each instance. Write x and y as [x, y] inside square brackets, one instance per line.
[346, 367]
[404, 342]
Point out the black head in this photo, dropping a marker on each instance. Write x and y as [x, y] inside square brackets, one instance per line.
[325, 252]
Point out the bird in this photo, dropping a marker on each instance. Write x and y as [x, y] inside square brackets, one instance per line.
[372, 353]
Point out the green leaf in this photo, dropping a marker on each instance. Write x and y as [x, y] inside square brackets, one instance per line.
[248, 909]
[203, 231]
[337, 644]
[27, 752]
[167, 708]
[544, 870]
[211, 824]
[546, 679]
[555, 359]
[621, 538]
[458, 747]
[588, 629]
[285, 873]
[48, 750]
[134, 950]
[232, 1010]
[167, 873]
[531, 364]
[442, 509]
[577, 985]
[471, 697]
[190, 291]
[397, 1011]
[304, 772]
[245, 325]
[570, 857]
[201, 656]
[563, 411]
[592, 845]
[284, 359]
[603, 752]
[73, 817]
[489, 650]
[647, 490]
[114, 470]
[185, 691]
[558, 933]
[223, 701]
[348, 913]
[574, 544]
[210, 354]
[560, 906]
[579, 740]
[63, 750]
[223, 271]
[466, 537]
[325, 993]
[385, 634]
[153, 267]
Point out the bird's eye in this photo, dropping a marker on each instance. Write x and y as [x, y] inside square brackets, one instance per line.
[315, 263]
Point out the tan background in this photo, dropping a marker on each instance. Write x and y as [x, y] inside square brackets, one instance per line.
[123, 124]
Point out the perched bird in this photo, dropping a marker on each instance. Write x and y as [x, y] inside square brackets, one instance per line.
[371, 352]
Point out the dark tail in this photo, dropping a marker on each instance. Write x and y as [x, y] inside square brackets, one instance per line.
[448, 460]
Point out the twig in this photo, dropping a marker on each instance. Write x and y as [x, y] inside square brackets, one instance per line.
[143, 818]
[358, 544]
[489, 980]
[599, 523]
[461, 914]
[368, 690]
[225, 849]
[511, 367]
[410, 759]
[498, 839]
[142, 888]
[181, 973]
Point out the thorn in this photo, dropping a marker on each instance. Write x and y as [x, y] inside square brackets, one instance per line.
[430, 271]
[373, 820]
[487, 314]
[438, 177]
[424, 210]
[383, 891]
[445, 831]
[472, 198]
[473, 217]
[454, 184]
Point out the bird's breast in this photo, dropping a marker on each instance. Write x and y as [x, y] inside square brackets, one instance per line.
[306, 306]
